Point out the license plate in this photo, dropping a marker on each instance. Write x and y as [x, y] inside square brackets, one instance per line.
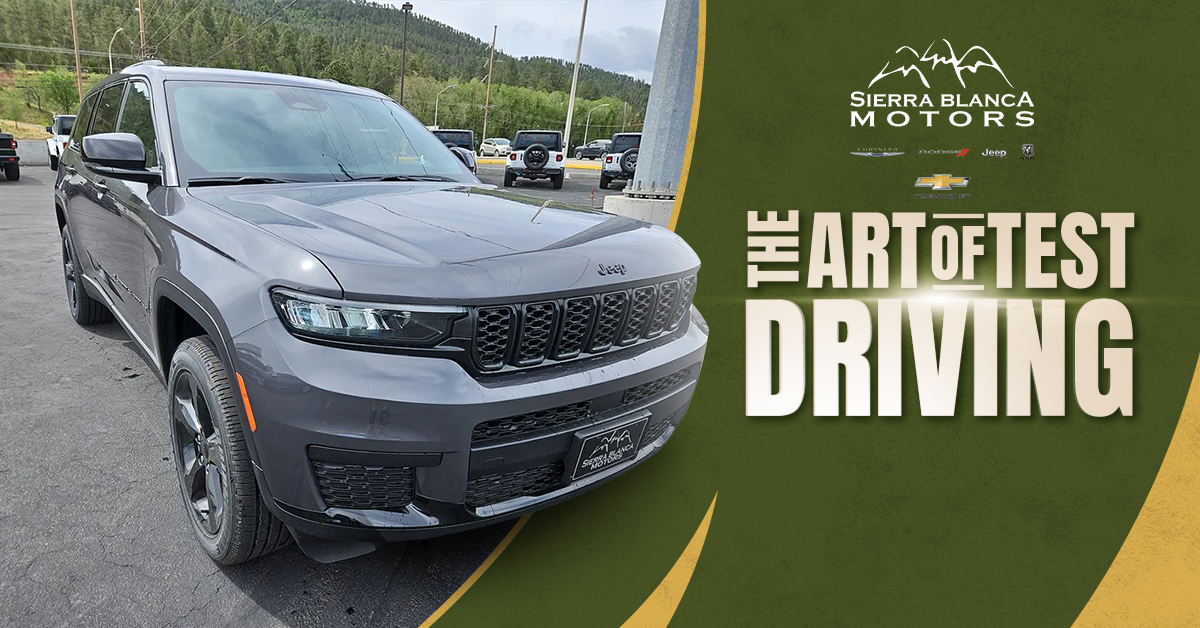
[608, 447]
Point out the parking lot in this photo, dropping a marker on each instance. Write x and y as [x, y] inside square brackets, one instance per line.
[94, 532]
[577, 189]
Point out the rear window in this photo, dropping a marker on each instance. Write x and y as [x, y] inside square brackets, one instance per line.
[457, 138]
[550, 140]
[64, 124]
[622, 143]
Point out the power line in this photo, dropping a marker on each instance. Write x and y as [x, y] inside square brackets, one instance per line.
[248, 33]
[177, 26]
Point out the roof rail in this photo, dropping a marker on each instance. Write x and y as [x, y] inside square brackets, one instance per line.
[146, 62]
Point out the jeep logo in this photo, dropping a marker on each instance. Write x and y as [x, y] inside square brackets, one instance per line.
[611, 269]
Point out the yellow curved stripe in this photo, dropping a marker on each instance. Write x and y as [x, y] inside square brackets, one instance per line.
[657, 610]
[691, 141]
[512, 534]
[1155, 578]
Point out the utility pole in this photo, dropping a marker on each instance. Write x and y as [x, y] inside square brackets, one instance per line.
[142, 27]
[78, 70]
[625, 118]
[574, 80]
[487, 99]
[406, 7]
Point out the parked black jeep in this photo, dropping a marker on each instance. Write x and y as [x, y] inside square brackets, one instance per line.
[360, 341]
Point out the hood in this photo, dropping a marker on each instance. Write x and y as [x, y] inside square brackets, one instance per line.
[437, 242]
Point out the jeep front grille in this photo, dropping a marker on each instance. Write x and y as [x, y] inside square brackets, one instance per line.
[529, 334]
[531, 422]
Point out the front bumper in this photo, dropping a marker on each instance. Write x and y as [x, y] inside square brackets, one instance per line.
[317, 406]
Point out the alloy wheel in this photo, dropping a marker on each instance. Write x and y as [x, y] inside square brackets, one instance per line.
[199, 454]
[70, 277]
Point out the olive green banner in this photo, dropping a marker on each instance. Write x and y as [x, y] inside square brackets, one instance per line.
[906, 520]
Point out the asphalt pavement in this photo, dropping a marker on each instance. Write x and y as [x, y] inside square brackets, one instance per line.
[92, 527]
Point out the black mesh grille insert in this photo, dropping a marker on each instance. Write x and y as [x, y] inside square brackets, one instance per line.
[493, 326]
[359, 487]
[537, 331]
[577, 320]
[612, 310]
[654, 431]
[687, 293]
[493, 489]
[532, 422]
[639, 315]
[654, 388]
[667, 295]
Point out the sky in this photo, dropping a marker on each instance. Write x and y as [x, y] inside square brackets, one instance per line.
[621, 35]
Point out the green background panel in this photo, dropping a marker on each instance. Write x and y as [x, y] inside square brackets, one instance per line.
[900, 521]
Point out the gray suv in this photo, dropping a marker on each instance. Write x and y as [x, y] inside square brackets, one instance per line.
[360, 341]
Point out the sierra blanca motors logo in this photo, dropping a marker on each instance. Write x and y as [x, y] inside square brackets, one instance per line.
[946, 68]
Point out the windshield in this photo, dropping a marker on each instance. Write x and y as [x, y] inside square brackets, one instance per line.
[501, 141]
[64, 124]
[301, 134]
[458, 138]
[549, 139]
[622, 143]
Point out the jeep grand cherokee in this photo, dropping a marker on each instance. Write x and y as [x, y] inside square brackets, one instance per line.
[360, 341]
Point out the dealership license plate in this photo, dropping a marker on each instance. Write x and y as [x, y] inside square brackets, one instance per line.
[608, 447]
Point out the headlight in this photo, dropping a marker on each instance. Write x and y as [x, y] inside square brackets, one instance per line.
[699, 320]
[384, 324]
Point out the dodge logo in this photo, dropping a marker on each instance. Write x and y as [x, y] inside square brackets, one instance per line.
[611, 269]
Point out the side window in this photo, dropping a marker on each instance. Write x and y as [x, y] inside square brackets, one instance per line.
[136, 119]
[105, 118]
[85, 117]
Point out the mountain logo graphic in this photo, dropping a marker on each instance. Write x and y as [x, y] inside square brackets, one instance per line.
[612, 442]
[906, 60]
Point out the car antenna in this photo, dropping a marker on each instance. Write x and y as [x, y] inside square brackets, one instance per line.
[539, 211]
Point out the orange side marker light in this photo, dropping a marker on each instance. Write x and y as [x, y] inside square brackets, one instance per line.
[246, 402]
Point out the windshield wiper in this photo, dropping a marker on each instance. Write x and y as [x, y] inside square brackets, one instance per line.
[237, 181]
[408, 177]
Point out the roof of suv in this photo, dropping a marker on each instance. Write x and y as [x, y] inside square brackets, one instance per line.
[537, 131]
[159, 71]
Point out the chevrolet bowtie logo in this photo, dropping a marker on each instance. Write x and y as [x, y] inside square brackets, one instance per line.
[942, 182]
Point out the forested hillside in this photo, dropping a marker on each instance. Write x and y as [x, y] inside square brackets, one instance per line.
[353, 39]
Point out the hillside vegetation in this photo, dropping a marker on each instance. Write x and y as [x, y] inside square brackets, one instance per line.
[352, 41]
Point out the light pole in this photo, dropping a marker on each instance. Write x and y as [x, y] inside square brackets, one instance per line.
[110, 43]
[435, 102]
[589, 120]
[406, 7]
[575, 78]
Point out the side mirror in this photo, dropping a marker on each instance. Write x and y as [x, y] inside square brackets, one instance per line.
[464, 155]
[118, 155]
[49, 129]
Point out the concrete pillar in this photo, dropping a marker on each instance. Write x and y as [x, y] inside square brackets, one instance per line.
[650, 195]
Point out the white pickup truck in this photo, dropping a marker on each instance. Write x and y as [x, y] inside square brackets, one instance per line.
[60, 134]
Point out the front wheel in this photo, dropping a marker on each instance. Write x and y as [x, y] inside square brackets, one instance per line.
[216, 476]
[578, 154]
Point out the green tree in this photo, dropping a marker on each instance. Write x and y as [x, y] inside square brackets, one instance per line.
[58, 89]
[336, 71]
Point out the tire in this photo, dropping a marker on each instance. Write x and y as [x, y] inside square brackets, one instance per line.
[605, 181]
[53, 162]
[509, 178]
[557, 180]
[206, 429]
[537, 156]
[12, 172]
[84, 309]
[578, 154]
[628, 161]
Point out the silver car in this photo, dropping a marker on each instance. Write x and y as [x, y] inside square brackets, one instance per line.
[495, 146]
